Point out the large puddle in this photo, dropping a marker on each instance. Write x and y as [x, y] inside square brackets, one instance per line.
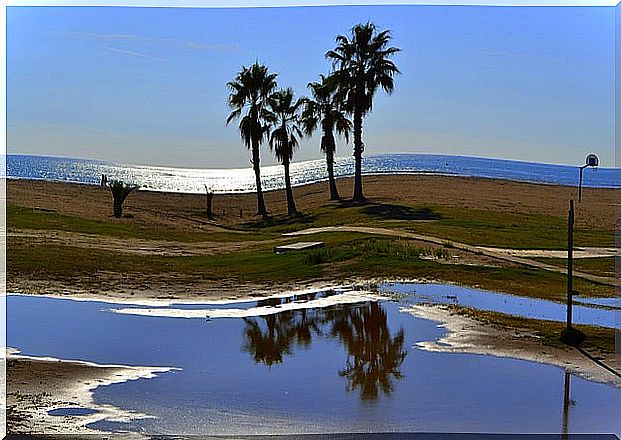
[322, 362]
[589, 313]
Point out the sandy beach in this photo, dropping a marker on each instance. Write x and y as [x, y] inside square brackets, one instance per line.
[174, 210]
[69, 384]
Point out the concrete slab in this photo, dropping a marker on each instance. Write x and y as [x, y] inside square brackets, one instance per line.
[300, 246]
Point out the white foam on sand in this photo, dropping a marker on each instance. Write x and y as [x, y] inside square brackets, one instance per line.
[80, 395]
[196, 300]
[349, 297]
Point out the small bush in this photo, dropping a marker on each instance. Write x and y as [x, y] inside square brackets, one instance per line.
[440, 253]
[317, 256]
[399, 249]
[572, 337]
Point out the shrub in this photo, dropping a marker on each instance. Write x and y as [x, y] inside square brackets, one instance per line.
[317, 256]
[120, 190]
[572, 337]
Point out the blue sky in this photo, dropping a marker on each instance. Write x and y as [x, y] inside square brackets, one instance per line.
[147, 85]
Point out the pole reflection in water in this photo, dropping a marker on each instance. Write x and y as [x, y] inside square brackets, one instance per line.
[567, 402]
[374, 355]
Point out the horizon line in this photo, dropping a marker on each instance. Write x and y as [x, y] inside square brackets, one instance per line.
[302, 161]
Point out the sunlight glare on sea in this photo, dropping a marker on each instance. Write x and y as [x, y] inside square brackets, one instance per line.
[194, 180]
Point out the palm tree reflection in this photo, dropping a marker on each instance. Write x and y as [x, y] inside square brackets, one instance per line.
[374, 356]
[281, 332]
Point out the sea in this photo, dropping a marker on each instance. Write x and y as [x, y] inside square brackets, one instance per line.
[197, 180]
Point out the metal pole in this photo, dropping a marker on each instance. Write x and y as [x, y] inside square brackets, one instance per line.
[580, 186]
[570, 262]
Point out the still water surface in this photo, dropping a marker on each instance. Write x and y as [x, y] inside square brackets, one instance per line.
[344, 367]
[585, 310]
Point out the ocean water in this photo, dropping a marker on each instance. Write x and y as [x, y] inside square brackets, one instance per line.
[192, 180]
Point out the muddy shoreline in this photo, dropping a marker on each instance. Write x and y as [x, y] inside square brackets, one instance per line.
[467, 335]
[37, 385]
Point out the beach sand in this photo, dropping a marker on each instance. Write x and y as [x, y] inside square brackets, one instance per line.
[598, 208]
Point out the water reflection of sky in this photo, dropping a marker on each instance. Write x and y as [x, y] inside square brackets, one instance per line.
[298, 371]
[509, 304]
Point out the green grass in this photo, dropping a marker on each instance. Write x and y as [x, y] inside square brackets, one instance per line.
[345, 255]
[471, 226]
[350, 255]
[508, 230]
[392, 249]
[69, 263]
[26, 218]
[597, 338]
[604, 266]
[345, 214]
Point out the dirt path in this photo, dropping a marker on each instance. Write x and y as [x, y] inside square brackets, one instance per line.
[490, 252]
[579, 252]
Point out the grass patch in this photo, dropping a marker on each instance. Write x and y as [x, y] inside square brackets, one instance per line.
[26, 218]
[604, 266]
[354, 255]
[465, 225]
[280, 223]
[68, 263]
[396, 249]
[400, 212]
[471, 226]
[318, 256]
[390, 249]
[509, 230]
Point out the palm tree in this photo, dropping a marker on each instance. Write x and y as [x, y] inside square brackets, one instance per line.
[285, 116]
[250, 91]
[120, 190]
[324, 109]
[362, 65]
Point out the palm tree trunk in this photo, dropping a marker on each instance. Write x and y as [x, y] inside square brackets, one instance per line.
[334, 193]
[256, 165]
[290, 202]
[358, 196]
[209, 204]
[118, 208]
